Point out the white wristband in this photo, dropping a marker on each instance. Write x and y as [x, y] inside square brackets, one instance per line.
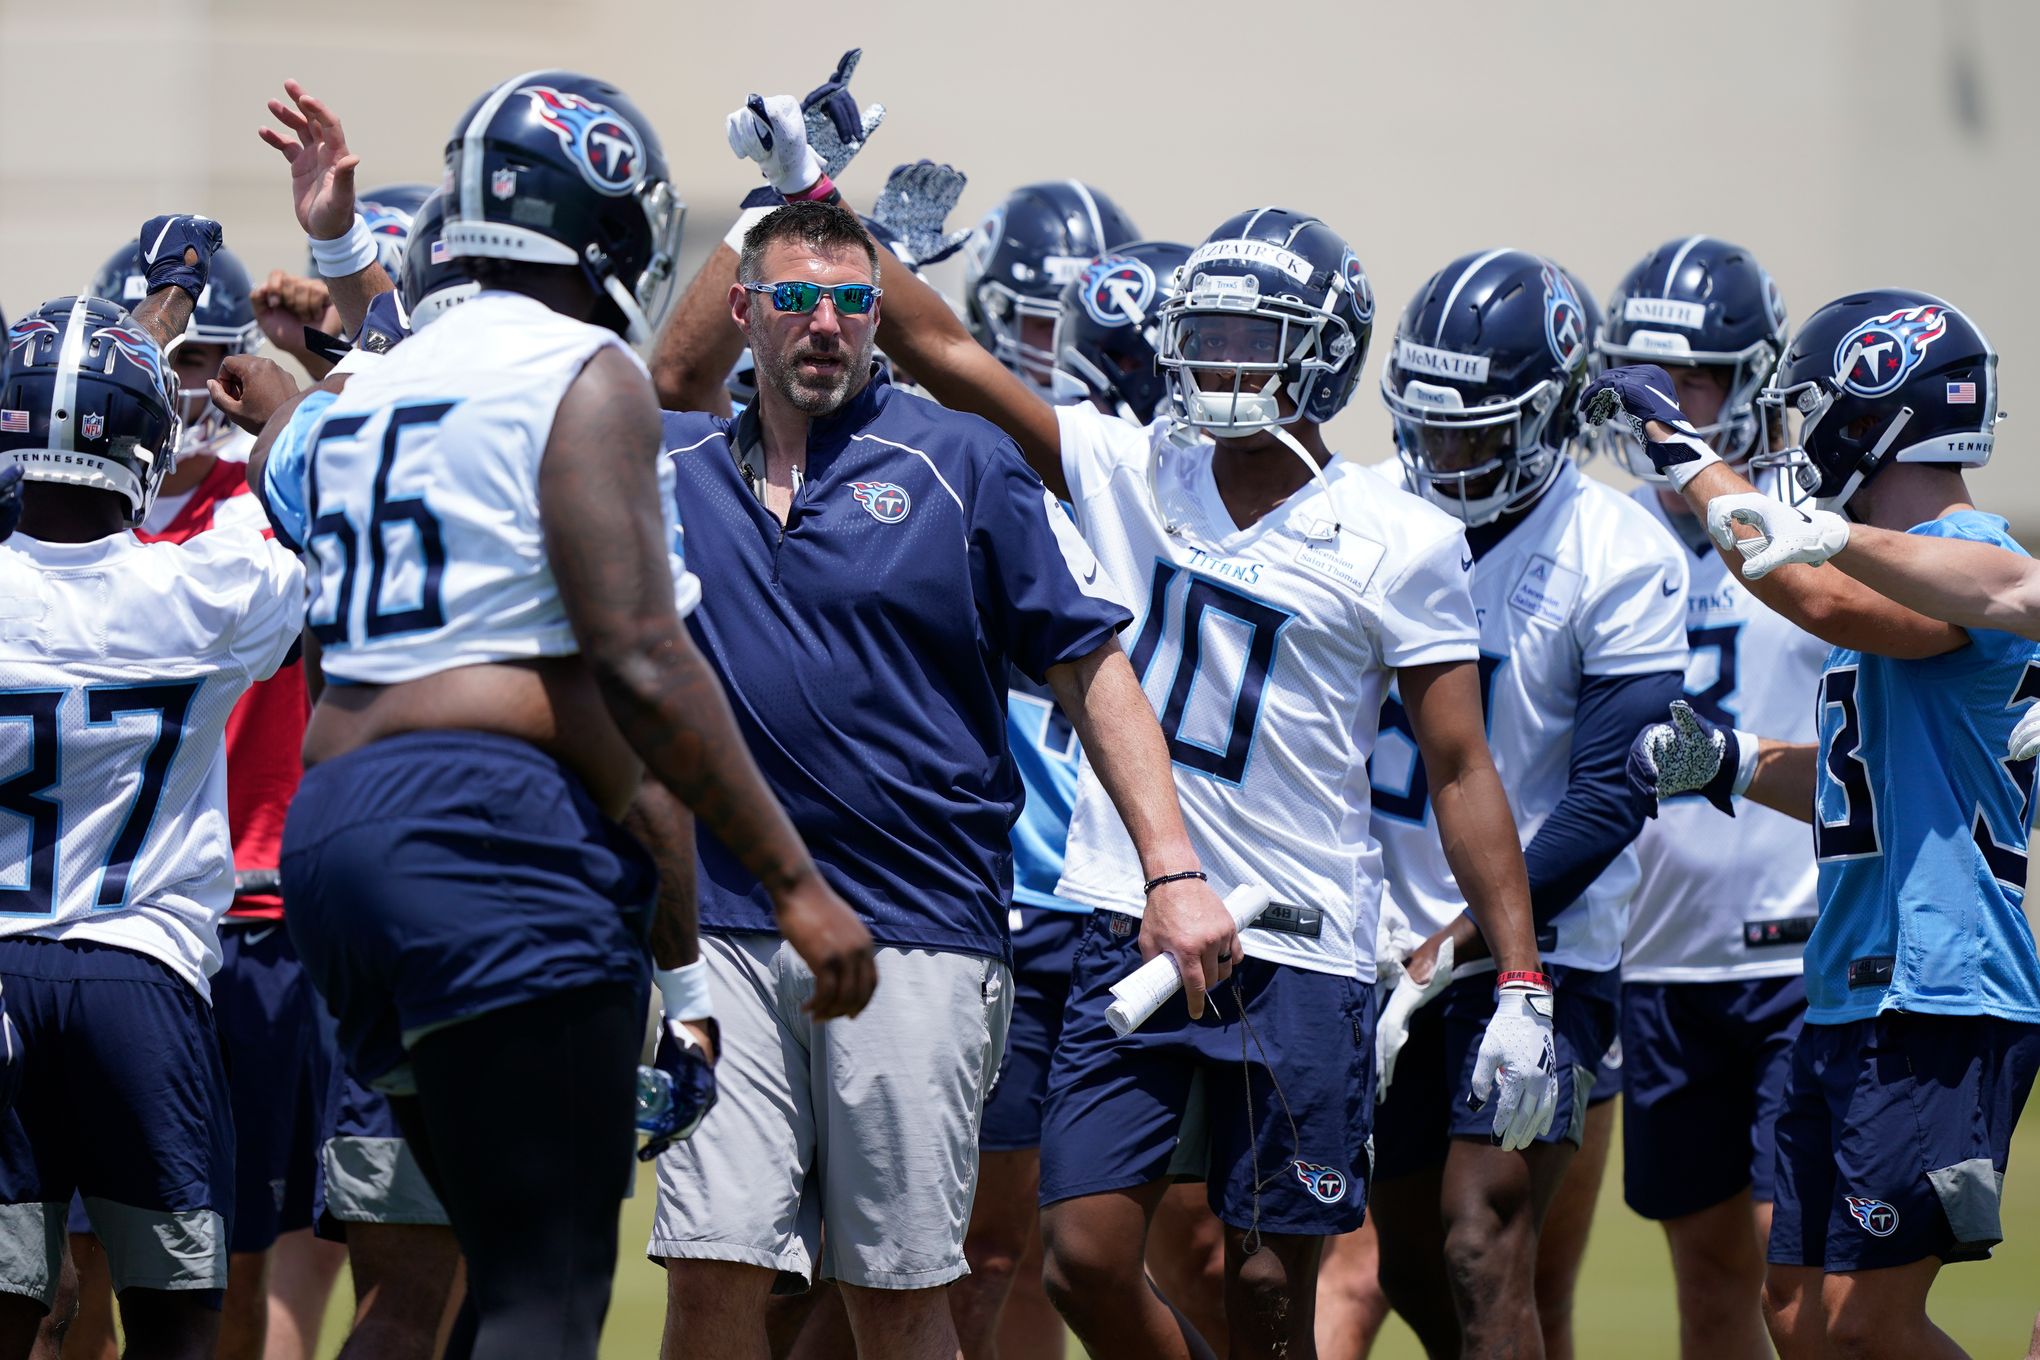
[683, 991]
[1678, 474]
[344, 255]
[1746, 746]
[747, 219]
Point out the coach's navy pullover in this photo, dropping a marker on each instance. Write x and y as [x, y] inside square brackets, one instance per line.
[865, 650]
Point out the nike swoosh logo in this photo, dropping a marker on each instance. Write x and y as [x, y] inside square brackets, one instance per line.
[258, 936]
[1670, 589]
[1669, 401]
[1466, 564]
[1092, 574]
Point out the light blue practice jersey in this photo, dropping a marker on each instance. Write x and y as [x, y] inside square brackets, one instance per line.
[1921, 824]
[1045, 748]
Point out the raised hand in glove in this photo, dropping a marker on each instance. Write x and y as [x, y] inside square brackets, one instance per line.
[1640, 398]
[1689, 754]
[177, 251]
[916, 202]
[1785, 533]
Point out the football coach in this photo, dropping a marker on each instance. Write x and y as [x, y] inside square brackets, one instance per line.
[871, 565]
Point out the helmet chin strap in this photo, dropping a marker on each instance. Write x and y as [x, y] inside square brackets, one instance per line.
[637, 331]
[1174, 527]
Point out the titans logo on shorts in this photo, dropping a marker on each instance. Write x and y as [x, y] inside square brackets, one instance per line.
[1893, 1142]
[1116, 1104]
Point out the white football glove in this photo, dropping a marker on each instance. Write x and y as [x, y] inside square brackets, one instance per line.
[1517, 1055]
[1392, 1031]
[1394, 942]
[2026, 735]
[1785, 533]
[773, 132]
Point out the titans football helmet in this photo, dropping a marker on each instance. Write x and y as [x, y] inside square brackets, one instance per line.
[1018, 260]
[1884, 376]
[1489, 360]
[431, 280]
[556, 168]
[1700, 300]
[89, 401]
[1109, 321]
[224, 315]
[1273, 307]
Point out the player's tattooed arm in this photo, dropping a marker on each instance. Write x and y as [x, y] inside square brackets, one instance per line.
[164, 314]
[699, 343]
[1823, 600]
[1475, 827]
[1123, 742]
[923, 337]
[599, 503]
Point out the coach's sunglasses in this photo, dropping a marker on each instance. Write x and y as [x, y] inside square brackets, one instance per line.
[851, 299]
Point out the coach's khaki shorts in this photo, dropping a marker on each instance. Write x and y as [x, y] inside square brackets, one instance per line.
[855, 1137]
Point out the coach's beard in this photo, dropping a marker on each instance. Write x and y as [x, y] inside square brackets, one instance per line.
[818, 394]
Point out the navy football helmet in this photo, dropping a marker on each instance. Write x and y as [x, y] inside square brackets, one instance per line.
[1700, 300]
[1489, 360]
[1110, 320]
[431, 280]
[1017, 262]
[1273, 305]
[1889, 375]
[224, 315]
[88, 400]
[556, 168]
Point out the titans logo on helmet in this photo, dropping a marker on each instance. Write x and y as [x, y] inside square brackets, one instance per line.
[607, 150]
[1876, 1217]
[24, 333]
[127, 343]
[887, 502]
[1359, 291]
[1325, 1183]
[1118, 290]
[1565, 319]
[1875, 357]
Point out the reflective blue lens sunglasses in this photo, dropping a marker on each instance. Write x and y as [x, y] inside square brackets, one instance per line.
[851, 299]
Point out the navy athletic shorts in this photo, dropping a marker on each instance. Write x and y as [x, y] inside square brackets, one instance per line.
[1044, 941]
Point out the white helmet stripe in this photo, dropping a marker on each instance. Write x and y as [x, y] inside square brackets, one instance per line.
[1097, 219]
[1677, 260]
[471, 146]
[64, 391]
[1445, 312]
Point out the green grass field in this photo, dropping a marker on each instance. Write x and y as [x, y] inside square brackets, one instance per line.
[1626, 1307]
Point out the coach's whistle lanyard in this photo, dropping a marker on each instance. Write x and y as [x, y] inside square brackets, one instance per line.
[751, 462]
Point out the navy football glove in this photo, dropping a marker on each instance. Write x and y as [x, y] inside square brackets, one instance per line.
[1637, 394]
[10, 500]
[836, 129]
[678, 1090]
[1689, 754]
[166, 240]
[915, 203]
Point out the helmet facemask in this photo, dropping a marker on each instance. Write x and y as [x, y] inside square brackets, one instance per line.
[1259, 350]
[1477, 462]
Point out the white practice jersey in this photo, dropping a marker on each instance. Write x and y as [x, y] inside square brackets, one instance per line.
[1265, 652]
[419, 486]
[1722, 900]
[1585, 584]
[119, 663]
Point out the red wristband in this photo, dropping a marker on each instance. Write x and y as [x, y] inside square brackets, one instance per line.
[1523, 976]
[822, 190]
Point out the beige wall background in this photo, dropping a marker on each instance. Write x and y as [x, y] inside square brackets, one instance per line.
[1847, 142]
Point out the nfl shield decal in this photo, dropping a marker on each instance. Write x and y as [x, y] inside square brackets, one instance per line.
[93, 425]
[887, 502]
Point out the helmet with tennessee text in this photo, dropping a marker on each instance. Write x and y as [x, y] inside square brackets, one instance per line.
[1887, 375]
[1489, 358]
[224, 315]
[431, 281]
[89, 401]
[1269, 325]
[1018, 260]
[1704, 302]
[1111, 322]
[557, 168]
